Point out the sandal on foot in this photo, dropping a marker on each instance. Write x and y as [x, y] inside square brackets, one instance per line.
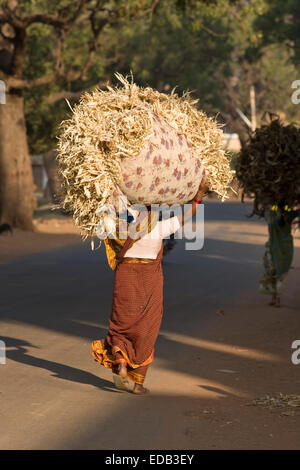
[121, 383]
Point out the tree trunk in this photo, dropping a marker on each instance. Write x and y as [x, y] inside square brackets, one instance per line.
[16, 181]
[236, 125]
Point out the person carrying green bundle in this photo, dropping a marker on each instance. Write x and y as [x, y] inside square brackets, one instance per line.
[268, 168]
[279, 249]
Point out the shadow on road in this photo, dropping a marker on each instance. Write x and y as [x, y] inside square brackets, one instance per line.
[69, 291]
[17, 350]
[73, 295]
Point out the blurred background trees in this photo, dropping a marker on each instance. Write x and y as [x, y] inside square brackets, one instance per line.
[217, 49]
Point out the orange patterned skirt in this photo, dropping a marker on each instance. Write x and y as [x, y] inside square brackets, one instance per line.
[135, 319]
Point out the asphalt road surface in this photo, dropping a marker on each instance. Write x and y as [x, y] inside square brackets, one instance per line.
[220, 347]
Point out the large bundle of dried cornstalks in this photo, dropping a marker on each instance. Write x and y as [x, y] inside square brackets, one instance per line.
[268, 167]
[116, 124]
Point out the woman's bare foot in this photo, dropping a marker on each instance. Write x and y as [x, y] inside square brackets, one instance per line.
[139, 389]
[120, 377]
[122, 370]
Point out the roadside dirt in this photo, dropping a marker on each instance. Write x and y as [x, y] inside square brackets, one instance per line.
[51, 232]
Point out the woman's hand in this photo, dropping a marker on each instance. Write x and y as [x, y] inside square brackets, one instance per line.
[191, 211]
[203, 188]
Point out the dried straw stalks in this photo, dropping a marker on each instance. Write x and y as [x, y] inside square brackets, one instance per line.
[268, 167]
[113, 124]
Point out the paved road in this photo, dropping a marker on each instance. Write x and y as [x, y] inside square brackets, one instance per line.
[53, 395]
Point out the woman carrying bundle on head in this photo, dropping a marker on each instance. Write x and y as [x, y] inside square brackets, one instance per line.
[137, 306]
[279, 248]
[130, 145]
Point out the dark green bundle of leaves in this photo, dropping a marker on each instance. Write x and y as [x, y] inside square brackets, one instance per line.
[268, 167]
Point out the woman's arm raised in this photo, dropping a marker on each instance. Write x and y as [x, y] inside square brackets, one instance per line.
[193, 204]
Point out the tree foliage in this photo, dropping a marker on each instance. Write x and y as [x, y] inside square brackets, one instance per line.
[217, 49]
